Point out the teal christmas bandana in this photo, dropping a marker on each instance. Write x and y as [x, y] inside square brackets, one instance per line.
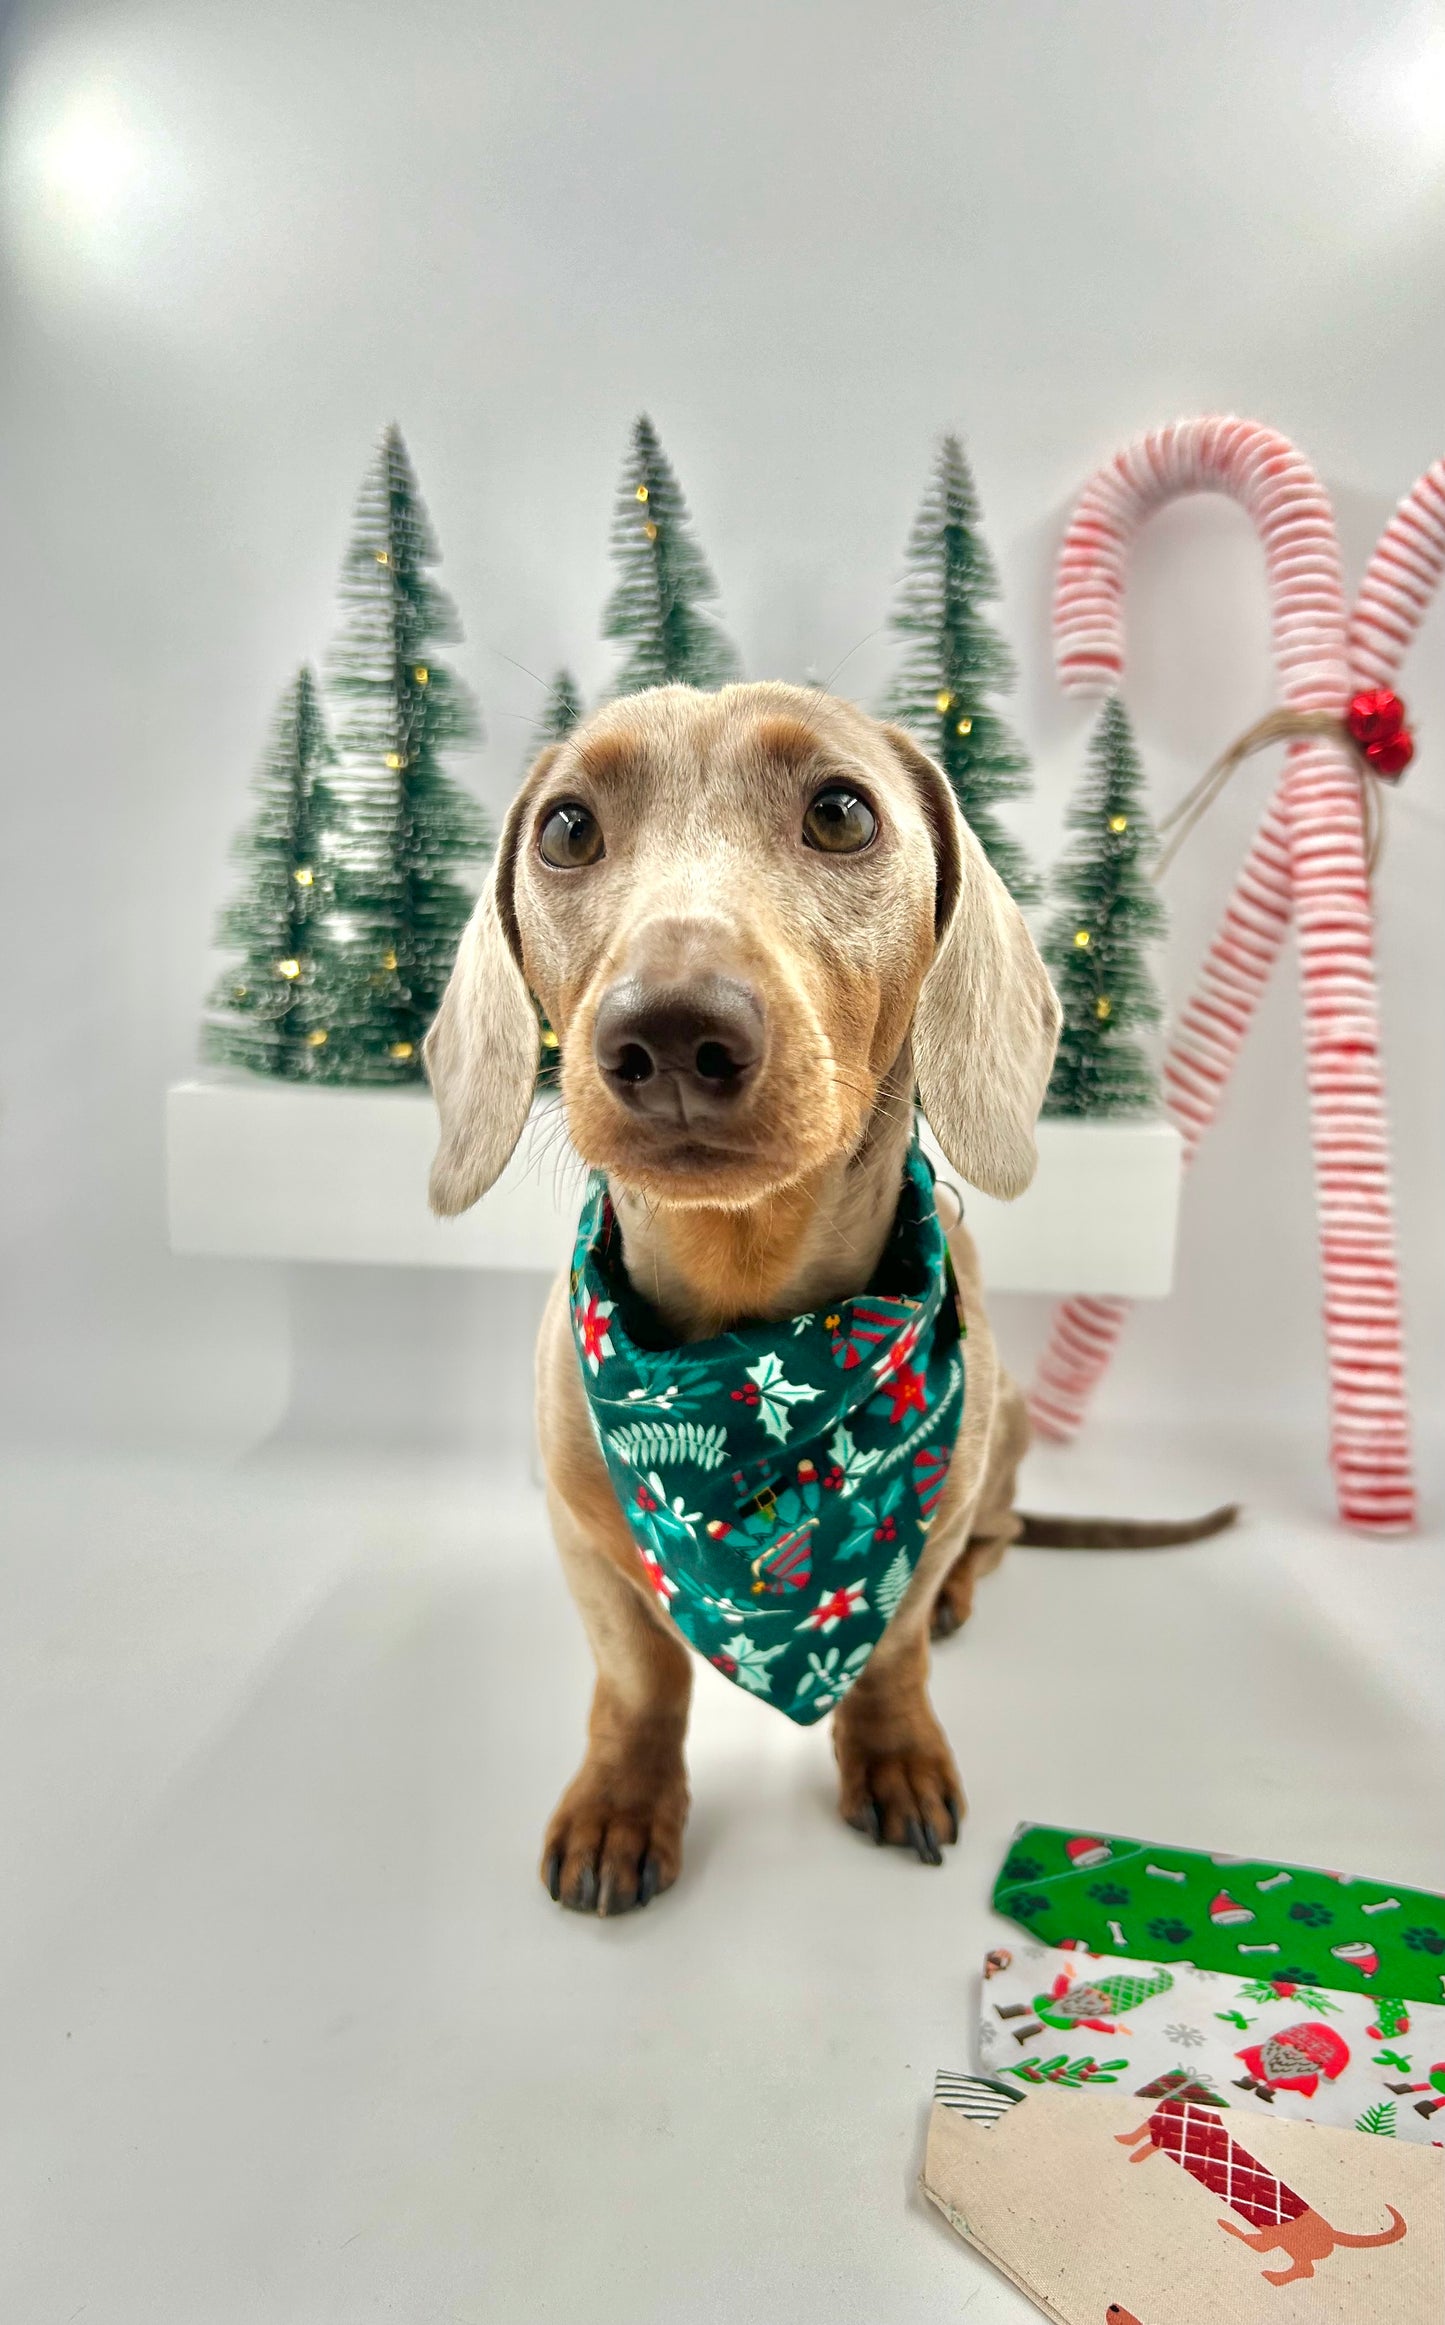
[780, 1481]
[1287, 1926]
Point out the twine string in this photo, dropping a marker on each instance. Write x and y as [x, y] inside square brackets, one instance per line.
[1277, 726]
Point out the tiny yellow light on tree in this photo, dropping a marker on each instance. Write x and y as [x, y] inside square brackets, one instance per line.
[401, 1049]
[395, 759]
[288, 968]
[422, 675]
[388, 960]
[943, 702]
[964, 727]
[239, 992]
[650, 530]
[1103, 1007]
[1118, 823]
[317, 1037]
[642, 492]
[303, 876]
[1081, 938]
[383, 557]
[549, 1038]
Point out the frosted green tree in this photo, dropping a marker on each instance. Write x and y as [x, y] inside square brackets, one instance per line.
[956, 663]
[659, 607]
[261, 1006]
[561, 713]
[402, 837]
[1095, 947]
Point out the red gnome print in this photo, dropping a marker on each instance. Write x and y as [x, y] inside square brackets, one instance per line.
[1279, 2220]
[1297, 2059]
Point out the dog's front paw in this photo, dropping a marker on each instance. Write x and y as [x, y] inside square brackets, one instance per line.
[907, 1795]
[615, 1839]
[954, 1603]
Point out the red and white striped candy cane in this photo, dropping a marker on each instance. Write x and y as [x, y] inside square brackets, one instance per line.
[1400, 581]
[1308, 854]
[1397, 590]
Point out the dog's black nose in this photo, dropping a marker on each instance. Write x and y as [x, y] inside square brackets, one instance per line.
[679, 1053]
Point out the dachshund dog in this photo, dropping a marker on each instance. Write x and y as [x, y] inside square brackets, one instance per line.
[758, 924]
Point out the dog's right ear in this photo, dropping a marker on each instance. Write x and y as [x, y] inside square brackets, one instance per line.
[987, 1018]
[481, 1053]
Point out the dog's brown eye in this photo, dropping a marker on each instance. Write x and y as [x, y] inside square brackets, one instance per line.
[570, 837]
[839, 822]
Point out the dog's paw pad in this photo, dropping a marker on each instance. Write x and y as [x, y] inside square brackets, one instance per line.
[606, 1854]
[907, 1800]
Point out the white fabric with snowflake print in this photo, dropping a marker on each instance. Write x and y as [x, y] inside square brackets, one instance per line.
[1313, 2054]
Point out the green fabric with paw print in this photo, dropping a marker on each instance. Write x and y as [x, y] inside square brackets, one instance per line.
[1252, 1915]
[780, 1481]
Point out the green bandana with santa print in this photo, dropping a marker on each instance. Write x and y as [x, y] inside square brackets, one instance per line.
[780, 1480]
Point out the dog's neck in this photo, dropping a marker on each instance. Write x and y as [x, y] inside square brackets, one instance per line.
[804, 1247]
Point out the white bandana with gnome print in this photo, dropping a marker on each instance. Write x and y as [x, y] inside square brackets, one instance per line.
[779, 1481]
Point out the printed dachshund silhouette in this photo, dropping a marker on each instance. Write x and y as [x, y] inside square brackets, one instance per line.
[1282, 2221]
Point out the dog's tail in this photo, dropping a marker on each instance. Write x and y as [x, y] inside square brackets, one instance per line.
[1043, 1532]
[1390, 2235]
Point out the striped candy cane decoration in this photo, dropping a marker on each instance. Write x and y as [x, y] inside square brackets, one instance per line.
[1307, 858]
[1399, 584]
[1400, 581]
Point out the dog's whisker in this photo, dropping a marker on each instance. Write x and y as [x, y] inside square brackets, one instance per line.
[824, 688]
[865, 640]
[548, 1142]
[503, 656]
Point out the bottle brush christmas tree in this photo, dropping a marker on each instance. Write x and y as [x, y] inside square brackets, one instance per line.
[399, 827]
[562, 713]
[262, 1005]
[956, 661]
[659, 606]
[1095, 946]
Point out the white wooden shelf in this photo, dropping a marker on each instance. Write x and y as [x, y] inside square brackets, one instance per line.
[267, 1170]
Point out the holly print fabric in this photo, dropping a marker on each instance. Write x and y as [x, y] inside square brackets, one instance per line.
[779, 1481]
[1255, 1916]
[1077, 2021]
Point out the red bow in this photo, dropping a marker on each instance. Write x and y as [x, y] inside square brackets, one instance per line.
[1376, 720]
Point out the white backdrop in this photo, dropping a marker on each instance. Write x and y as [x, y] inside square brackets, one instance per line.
[807, 238]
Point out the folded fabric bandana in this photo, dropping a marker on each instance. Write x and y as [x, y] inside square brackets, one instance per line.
[779, 1481]
[1076, 2020]
[1106, 2211]
[1251, 1915]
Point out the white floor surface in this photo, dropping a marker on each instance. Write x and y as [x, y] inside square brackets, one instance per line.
[292, 2034]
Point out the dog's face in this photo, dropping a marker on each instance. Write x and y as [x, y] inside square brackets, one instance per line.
[733, 908]
[726, 908]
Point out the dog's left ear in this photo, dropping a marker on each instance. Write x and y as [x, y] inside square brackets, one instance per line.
[481, 1053]
[987, 1021]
